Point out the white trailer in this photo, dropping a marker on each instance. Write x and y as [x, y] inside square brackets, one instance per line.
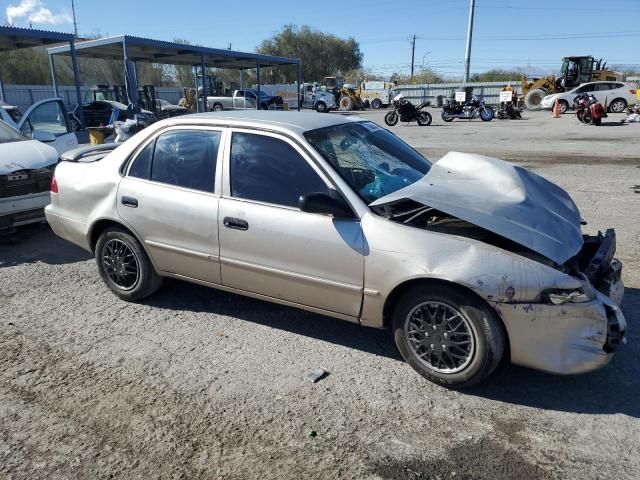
[376, 94]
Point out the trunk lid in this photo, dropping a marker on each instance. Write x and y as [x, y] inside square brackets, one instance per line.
[503, 198]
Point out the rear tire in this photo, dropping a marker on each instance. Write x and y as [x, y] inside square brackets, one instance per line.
[533, 99]
[376, 104]
[424, 119]
[391, 118]
[448, 335]
[618, 105]
[217, 107]
[124, 265]
[447, 117]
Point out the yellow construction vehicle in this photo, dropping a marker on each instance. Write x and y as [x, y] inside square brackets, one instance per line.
[346, 97]
[574, 71]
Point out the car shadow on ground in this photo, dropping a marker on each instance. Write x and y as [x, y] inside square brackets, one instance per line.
[613, 389]
[37, 243]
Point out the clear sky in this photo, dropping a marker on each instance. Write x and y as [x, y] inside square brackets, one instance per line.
[508, 33]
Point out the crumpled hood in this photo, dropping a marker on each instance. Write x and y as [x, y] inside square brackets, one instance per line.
[503, 198]
[26, 155]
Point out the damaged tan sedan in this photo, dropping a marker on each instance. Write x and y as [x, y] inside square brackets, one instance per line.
[467, 260]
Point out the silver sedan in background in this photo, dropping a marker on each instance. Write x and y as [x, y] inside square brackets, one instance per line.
[467, 260]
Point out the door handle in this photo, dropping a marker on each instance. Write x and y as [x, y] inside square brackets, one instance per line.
[129, 201]
[235, 223]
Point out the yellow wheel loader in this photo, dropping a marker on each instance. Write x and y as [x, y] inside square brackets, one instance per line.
[346, 98]
[574, 71]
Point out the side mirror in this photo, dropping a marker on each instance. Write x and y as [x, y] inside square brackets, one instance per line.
[325, 204]
[43, 136]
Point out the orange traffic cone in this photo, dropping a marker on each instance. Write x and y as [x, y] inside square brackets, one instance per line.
[556, 109]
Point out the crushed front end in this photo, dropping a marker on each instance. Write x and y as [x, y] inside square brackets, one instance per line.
[575, 331]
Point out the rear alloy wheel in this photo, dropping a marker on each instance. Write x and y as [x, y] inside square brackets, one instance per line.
[563, 106]
[376, 104]
[424, 119]
[448, 335]
[124, 265]
[618, 105]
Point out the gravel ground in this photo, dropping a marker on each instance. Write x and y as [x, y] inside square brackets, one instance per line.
[196, 383]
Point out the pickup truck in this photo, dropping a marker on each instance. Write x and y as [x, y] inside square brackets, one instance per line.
[243, 100]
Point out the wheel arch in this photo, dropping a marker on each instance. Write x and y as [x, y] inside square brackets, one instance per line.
[397, 292]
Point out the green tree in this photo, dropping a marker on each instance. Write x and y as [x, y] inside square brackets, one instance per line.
[496, 75]
[424, 75]
[322, 54]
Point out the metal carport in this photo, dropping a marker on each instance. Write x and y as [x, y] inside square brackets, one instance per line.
[136, 49]
[14, 38]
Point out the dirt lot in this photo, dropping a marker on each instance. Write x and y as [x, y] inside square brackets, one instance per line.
[195, 383]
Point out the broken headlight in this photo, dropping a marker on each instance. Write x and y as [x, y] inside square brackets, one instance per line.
[560, 296]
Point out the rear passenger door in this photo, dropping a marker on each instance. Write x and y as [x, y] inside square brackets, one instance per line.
[169, 198]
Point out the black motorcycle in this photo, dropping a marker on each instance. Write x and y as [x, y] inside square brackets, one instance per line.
[508, 110]
[467, 110]
[405, 111]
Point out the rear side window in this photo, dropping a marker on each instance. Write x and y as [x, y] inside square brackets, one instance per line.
[270, 170]
[141, 167]
[186, 158]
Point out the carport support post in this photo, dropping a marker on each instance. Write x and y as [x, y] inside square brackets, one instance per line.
[76, 79]
[195, 82]
[298, 81]
[258, 82]
[52, 65]
[204, 83]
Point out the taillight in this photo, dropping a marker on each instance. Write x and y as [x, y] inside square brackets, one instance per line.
[54, 185]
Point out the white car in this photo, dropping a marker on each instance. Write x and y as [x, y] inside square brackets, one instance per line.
[26, 170]
[46, 121]
[617, 94]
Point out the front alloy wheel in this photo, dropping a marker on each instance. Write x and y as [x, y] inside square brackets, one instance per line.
[448, 334]
[440, 336]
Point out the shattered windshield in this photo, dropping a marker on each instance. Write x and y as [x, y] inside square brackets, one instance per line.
[373, 161]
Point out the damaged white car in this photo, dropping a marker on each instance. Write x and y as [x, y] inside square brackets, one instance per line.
[467, 259]
[26, 170]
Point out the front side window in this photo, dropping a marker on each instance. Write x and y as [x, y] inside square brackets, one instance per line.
[48, 117]
[270, 170]
[373, 161]
[186, 158]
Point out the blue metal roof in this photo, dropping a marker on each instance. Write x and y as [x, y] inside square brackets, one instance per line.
[12, 38]
[158, 51]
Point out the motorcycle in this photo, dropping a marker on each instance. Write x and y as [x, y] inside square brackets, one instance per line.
[508, 110]
[588, 109]
[406, 111]
[468, 110]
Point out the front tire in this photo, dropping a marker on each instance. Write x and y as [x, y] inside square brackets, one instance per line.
[448, 335]
[124, 265]
[391, 118]
[321, 107]
[487, 114]
[346, 104]
[376, 104]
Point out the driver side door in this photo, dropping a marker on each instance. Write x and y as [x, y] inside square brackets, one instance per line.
[50, 116]
[268, 246]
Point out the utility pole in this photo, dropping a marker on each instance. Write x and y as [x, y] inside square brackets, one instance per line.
[413, 53]
[75, 24]
[467, 55]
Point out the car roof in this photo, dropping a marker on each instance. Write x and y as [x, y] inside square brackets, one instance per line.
[293, 121]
